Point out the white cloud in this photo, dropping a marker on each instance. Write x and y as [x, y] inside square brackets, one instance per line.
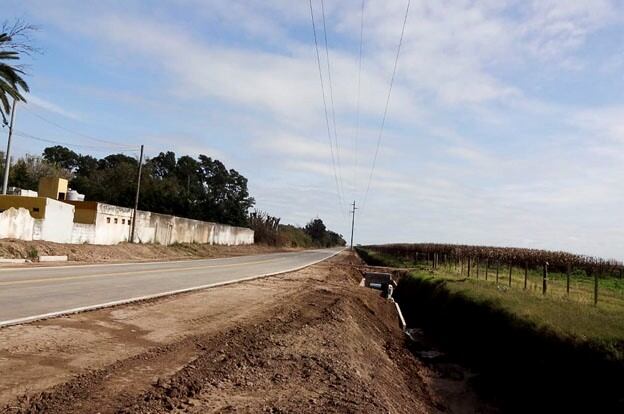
[51, 107]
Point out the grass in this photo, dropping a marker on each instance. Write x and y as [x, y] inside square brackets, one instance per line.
[572, 316]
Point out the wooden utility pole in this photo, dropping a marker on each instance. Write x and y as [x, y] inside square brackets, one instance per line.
[7, 164]
[136, 198]
[352, 222]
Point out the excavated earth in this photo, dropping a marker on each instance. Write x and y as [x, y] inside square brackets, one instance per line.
[310, 341]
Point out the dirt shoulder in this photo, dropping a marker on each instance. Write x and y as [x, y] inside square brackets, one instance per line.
[308, 341]
[126, 252]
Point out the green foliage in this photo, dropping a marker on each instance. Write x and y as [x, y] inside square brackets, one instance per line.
[269, 231]
[293, 236]
[33, 253]
[525, 347]
[202, 189]
[265, 227]
[28, 170]
[12, 85]
[321, 236]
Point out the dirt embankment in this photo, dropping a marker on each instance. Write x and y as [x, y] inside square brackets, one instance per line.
[124, 252]
[310, 341]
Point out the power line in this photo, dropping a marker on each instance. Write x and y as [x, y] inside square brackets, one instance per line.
[357, 111]
[49, 141]
[74, 132]
[331, 96]
[385, 113]
[331, 146]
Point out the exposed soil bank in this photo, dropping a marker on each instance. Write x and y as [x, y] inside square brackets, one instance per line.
[124, 252]
[309, 341]
[523, 367]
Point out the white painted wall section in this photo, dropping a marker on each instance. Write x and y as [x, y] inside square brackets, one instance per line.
[16, 224]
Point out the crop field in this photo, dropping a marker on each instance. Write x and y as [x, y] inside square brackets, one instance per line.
[568, 311]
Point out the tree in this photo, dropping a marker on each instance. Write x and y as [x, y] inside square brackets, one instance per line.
[12, 85]
[317, 231]
[28, 170]
[61, 157]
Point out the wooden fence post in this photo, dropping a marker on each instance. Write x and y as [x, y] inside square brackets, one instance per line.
[596, 286]
[461, 261]
[545, 279]
[497, 269]
[477, 268]
[487, 265]
[568, 271]
[526, 274]
[468, 267]
[510, 267]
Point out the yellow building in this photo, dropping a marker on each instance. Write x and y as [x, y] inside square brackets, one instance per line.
[53, 187]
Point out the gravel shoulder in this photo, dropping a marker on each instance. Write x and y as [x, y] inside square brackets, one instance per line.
[307, 341]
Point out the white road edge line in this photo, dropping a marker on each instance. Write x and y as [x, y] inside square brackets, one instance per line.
[27, 319]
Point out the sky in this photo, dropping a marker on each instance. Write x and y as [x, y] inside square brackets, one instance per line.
[505, 125]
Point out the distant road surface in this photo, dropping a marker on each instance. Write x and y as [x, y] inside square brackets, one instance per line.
[31, 293]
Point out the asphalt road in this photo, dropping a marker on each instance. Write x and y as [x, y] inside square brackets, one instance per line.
[32, 293]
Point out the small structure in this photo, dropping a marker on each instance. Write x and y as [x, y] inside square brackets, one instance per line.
[380, 281]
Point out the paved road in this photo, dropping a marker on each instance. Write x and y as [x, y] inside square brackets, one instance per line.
[34, 292]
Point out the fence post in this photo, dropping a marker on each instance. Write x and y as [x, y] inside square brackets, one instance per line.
[461, 261]
[526, 274]
[510, 267]
[468, 267]
[497, 269]
[477, 268]
[545, 279]
[568, 280]
[596, 286]
[487, 265]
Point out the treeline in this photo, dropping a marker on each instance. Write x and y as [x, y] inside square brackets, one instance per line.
[268, 230]
[198, 188]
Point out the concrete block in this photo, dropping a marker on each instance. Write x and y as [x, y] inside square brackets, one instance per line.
[12, 260]
[52, 258]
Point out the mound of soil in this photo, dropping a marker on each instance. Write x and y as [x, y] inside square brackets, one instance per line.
[310, 341]
[124, 252]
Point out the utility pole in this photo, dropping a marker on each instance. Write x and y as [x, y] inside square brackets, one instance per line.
[7, 164]
[352, 222]
[136, 199]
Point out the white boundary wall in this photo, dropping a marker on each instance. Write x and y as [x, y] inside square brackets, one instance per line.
[113, 226]
[16, 224]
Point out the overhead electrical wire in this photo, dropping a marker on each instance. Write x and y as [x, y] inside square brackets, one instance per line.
[115, 144]
[66, 144]
[385, 113]
[329, 135]
[357, 105]
[331, 98]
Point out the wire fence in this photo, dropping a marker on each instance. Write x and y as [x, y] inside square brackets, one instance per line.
[568, 277]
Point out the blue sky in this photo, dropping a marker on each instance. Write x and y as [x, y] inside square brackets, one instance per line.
[505, 125]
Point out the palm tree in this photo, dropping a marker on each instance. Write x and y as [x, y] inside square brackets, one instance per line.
[10, 77]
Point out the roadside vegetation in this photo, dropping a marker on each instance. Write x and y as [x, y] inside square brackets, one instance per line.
[529, 347]
[268, 230]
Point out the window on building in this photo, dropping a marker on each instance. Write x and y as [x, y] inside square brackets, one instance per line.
[129, 222]
[35, 209]
[108, 220]
[116, 220]
[123, 221]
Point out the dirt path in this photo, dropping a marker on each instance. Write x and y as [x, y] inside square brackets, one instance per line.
[309, 341]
